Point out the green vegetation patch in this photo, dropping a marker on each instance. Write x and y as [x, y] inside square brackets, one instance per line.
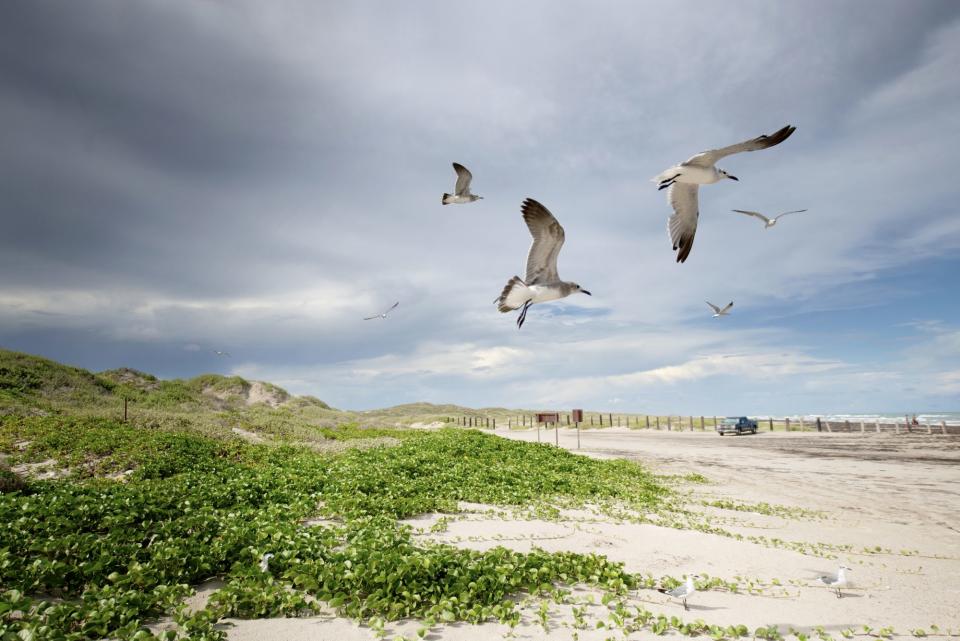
[108, 556]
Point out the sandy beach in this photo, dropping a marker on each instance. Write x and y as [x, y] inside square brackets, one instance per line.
[884, 505]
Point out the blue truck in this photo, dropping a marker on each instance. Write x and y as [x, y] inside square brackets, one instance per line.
[737, 425]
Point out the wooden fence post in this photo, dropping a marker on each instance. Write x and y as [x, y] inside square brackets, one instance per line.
[771, 423]
[818, 424]
[787, 424]
[943, 427]
[702, 426]
[714, 422]
[610, 421]
[124, 409]
[878, 425]
[658, 421]
[863, 427]
[648, 422]
[494, 425]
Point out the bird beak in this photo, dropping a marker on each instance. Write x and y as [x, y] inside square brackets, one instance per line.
[583, 291]
[733, 178]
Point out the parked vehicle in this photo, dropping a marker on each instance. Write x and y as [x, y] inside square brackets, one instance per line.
[737, 425]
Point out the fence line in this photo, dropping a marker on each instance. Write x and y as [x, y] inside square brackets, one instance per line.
[688, 423]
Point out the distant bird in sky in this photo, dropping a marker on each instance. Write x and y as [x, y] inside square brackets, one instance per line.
[542, 283]
[461, 192]
[265, 562]
[836, 581]
[384, 314]
[684, 181]
[682, 591]
[220, 353]
[717, 312]
[768, 222]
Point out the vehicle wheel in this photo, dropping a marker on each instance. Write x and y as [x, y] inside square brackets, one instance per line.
[720, 433]
[739, 431]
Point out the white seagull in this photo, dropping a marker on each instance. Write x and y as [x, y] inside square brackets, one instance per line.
[768, 222]
[265, 562]
[684, 181]
[384, 314]
[836, 581]
[461, 192]
[220, 353]
[682, 591]
[542, 283]
[717, 312]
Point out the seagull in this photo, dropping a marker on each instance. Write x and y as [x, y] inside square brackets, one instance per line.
[384, 314]
[769, 222]
[682, 591]
[542, 283]
[717, 312]
[462, 190]
[219, 353]
[836, 581]
[265, 562]
[684, 181]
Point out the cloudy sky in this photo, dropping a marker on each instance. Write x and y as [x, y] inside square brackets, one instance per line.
[179, 177]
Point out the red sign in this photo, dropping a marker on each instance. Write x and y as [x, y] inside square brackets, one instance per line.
[577, 416]
[548, 418]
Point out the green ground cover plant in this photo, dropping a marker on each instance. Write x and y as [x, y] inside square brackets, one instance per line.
[88, 557]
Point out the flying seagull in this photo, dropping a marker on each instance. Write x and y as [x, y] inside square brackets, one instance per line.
[836, 581]
[682, 591]
[542, 283]
[461, 192]
[220, 353]
[768, 222]
[684, 181]
[717, 312]
[384, 314]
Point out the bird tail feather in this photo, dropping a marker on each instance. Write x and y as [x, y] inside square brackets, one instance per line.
[665, 175]
[515, 293]
[445, 197]
[662, 590]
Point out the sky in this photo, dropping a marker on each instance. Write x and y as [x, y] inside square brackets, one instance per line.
[182, 177]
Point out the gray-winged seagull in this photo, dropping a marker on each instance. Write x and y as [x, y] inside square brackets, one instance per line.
[684, 181]
[220, 353]
[768, 222]
[461, 192]
[542, 283]
[717, 312]
[682, 591]
[836, 581]
[384, 314]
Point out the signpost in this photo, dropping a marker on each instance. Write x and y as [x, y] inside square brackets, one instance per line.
[577, 416]
[550, 418]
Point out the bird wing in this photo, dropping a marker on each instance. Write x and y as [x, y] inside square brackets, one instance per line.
[729, 305]
[683, 223]
[787, 213]
[710, 157]
[372, 317]
[392, 307]
[753, 213]
[716, 310]
[548, 238]
[463, 179]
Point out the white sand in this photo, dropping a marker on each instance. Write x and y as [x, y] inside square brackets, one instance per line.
[897, 492]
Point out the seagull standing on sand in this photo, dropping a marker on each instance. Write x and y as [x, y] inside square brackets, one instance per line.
[682, 591]
[542, 283]
[384, 314]
[836, 581]
[717, 312]
[768, 222]
[684, 181]
[461, 192]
